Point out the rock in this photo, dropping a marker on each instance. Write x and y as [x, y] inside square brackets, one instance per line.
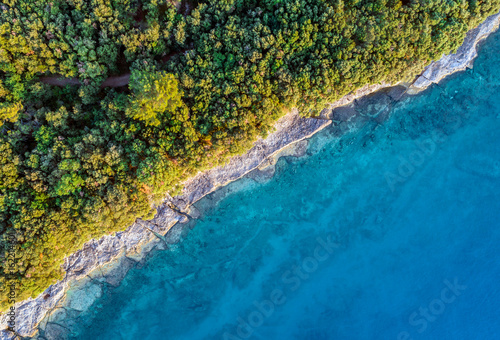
[193, 212]
[54, 331]
[30, 312]
[374, 104]
[482, 165]
[65, 317]
[364, 91]
[459, 61]
[8, 335]
[82, 295]
[396, 92]
[114, 272]
[266, 169]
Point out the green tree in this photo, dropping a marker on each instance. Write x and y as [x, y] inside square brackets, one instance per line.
[10, 111]
[154, 94]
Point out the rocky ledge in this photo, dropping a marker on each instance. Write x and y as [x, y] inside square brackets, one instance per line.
[459, 61]
[107, 260]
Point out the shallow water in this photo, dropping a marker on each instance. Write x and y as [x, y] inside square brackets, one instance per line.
[391, 231]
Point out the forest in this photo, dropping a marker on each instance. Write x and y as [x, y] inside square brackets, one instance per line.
[205, 79]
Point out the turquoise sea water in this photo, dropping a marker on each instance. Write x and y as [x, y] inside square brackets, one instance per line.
[391, 231]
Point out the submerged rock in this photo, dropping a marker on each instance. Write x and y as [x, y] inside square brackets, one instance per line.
[483, 165]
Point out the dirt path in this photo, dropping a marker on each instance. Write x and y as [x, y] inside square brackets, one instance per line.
[114, 81]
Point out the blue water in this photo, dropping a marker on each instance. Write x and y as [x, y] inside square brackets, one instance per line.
[390, 231]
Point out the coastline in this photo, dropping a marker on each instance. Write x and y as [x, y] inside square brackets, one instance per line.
[108, 259]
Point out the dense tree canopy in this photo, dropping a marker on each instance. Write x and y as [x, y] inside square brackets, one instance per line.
[206, 79]
[153, 94]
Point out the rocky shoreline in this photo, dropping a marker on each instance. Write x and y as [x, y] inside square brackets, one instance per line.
[107, 260]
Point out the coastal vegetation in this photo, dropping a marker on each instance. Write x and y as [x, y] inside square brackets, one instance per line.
[206, 79]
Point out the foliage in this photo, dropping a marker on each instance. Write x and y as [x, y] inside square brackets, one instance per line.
[10, 111]
[81, 161]
[153, 94]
